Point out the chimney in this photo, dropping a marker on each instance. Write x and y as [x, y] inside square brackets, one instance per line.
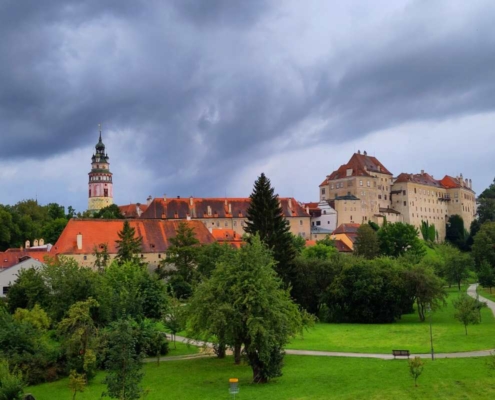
[210, 229]
[188, 217]
[41, 242]
[190, 200]
[290, 203]
[359, 151]
[149, 200]
[165, 197]
[79, 241]
[365, 153]
[138, 210]
[470, 184]
[28, 244]
[208, 210]
[178, 197]
[422, 172]
[35, 243]
[230, 208]
[307, 210]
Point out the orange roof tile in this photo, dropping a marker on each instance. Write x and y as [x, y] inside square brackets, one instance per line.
[348, 229]
[361, 165]
[131, 210]
[156, 234]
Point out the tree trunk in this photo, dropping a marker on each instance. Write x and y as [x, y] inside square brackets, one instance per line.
[221, 350]
[257, 368]
[459, 285]
[237, 353]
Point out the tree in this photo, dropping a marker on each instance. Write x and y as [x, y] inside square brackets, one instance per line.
[79, 331]
[102, 258]
[428, 231]
[37, 317]
[77, 383]
[455, 232]
[415, 368]
[182, 256]
[211, 254]
[265, 218]
[483, 249]
[425, 288]
[299, 243]
[398, 239]
[174, 318]
[486, 276]
[128, 245]
[28, 289]
[109, 212]
[243, 304]
[457, 267]
[367, 244]
[375, 226]
[124, 363]
[486, 204]
[320, 251]
[11, 383]
[467, 310]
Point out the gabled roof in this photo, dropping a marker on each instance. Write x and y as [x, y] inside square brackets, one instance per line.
[13, 256]
[360, 165]
[421, 179]
[131, 210]
[342, 247]
[227, 236]
[155, 234]
[183, 208]
[348, 229]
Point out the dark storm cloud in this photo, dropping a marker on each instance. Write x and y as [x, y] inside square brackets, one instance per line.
[210, 87]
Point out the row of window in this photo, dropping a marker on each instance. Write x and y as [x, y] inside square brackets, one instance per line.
[105, 193]
[100, 178]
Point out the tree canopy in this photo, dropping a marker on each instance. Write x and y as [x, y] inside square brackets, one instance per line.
[398, 239]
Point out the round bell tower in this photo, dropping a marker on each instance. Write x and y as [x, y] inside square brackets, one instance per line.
[100, 179]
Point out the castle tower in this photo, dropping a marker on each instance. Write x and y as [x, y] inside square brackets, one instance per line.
[100, 179]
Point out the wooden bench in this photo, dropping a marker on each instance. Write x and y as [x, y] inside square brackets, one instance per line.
[400, 353]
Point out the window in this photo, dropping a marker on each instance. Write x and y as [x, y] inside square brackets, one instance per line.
[414, 190]
[89, 192]
[318, 223]
[405, 204]
[368, 183]
[331, 186]
[5, 289]
[235, 223]
[360, 183]
[300, 222]
[379, 197]
[105, 192]
[404, 192]
[85, 258]
[385, 197]
[159, 256]
[323, 191]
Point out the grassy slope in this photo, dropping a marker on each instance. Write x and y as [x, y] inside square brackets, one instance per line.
[409, 333]
[485, 292]
[304, 378]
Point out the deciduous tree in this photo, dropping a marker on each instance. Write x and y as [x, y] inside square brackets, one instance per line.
[398, 239]
[467, 310]
[367, 244]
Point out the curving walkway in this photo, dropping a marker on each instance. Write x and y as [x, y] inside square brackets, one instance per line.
[466, 354]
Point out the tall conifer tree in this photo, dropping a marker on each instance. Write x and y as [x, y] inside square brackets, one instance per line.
[265, 218]
[128, 245]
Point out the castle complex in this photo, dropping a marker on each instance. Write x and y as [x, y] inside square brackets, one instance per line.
[367, 191]
[100, 179]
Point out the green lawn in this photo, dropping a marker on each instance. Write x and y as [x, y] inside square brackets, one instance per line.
[485, 292]
[304, 378]
[181, 349]
[409, 333]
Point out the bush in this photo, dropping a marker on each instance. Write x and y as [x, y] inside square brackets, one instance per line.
[11, 383]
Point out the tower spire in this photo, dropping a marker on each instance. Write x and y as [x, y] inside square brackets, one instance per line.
[99, 128]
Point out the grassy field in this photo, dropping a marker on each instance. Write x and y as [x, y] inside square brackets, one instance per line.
[181, 349]
[409, 333]
[304, 378]
[485, 292]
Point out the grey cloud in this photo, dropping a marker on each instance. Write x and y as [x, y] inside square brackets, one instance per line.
[210, 89]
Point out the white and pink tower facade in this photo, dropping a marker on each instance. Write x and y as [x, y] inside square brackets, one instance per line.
[100, 180]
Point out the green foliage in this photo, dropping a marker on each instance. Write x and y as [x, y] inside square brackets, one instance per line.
[80, 335]
[124, 363]
[11, 383]
[368, 291]
[374, 226]
[457, 266]
[320, 251]
[486, 204]
[28, 289]
[456, 233]
[102, 258]
[37, 317]
[428, 231]
[483, 249]
[174, 318]
[467, 310]
[367, 244]
[415, 368]
[299, 243]
[209, 255]
[109, 212]
[265, 218]
[425, 288]
[180, 265]
[312, 278]
[243, 304]
[398, 239]
[128, 245]
[77, 383]
[486, 275]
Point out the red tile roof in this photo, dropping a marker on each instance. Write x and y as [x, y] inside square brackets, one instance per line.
[227, 236]
[361, 165]
[182, 208]
[421, 179]
[156, 234]
[131, 210]
[348, 229]
[11, 257]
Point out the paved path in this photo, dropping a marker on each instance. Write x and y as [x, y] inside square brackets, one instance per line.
[472, 292]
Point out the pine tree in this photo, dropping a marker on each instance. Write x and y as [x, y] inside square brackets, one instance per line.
[265, 218]
[128, 245]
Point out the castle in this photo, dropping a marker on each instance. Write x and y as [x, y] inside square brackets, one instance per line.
[364, 190]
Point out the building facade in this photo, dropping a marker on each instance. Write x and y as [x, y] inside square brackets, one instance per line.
[411, 198]
[100, 183]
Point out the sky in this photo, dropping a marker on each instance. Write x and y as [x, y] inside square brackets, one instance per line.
[198, 98]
